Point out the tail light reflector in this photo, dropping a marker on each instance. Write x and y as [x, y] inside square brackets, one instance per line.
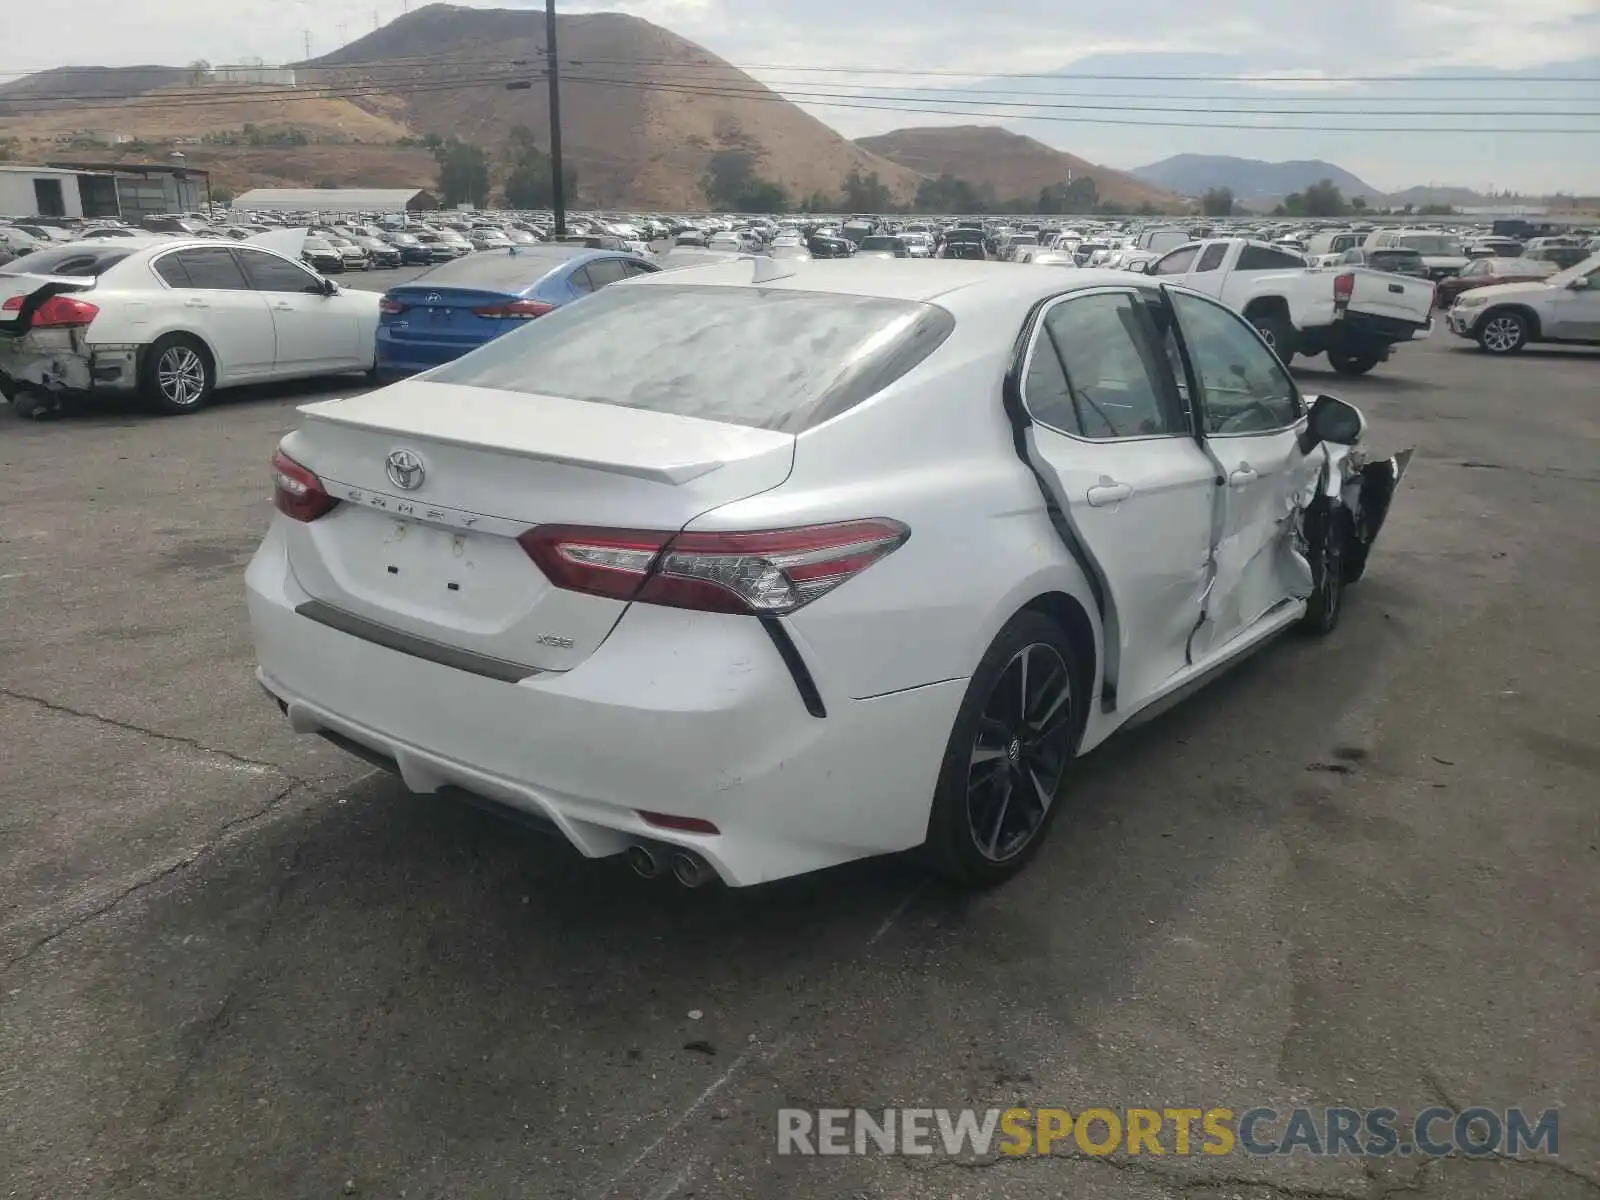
[772, 571]
[524, 310]
[58, 312]
[1344, 286]
[296, 492]
[390, 307]
[685, 824]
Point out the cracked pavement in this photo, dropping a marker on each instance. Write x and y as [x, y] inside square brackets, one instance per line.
[1364, 871]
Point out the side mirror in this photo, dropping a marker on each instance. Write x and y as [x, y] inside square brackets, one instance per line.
[1332, 420]
[330, 288]
[1580, 284]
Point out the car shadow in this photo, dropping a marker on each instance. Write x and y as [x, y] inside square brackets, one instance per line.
[1330, 382]
[108, 412]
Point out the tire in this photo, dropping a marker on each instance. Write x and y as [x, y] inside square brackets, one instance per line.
[1277, 333]
[177, 375]
[1346, 363]
[1003, 769]
[1502, 331]
[1330, 535]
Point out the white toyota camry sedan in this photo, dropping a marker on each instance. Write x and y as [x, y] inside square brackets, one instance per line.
[170, 321]
[748, 570]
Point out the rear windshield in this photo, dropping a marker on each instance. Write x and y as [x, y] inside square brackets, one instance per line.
[881, 243]
[84, 262]
[501, 268]
[767, 358]
[1394, 258]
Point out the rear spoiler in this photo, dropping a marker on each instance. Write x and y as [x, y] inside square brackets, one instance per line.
[24, 319]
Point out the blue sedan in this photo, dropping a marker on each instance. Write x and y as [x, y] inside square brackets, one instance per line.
[460, 305]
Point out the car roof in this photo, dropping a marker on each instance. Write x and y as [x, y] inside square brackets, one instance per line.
[917, 280]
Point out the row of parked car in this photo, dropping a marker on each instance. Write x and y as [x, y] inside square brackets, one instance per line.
[175, 318]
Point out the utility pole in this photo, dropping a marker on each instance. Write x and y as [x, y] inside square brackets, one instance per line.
[558, 199]
[307, 32]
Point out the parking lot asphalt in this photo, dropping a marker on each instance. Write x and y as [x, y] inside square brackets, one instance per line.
[1363, 871]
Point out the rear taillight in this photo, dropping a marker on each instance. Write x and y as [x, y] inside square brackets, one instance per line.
[520, 310]
[390, 307]
[1344, 286]
[296, 492]
[58, 312]
[764, 571]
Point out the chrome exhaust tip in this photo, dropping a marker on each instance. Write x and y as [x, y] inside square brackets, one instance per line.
[644, 863]
[691, 870]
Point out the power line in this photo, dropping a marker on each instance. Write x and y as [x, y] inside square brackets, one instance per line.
[717, 64]
[891, 103]
[819, 98]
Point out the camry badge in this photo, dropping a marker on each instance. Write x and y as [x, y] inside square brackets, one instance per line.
[405, 469]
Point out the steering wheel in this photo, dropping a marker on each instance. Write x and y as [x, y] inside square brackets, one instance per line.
[1233, 423]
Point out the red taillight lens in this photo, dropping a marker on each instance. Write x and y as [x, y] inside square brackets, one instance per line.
[58, 312]
[765, 571]
[1344, 286]
[685, 824]
[296, 492]
[390, 307]
[524, 310]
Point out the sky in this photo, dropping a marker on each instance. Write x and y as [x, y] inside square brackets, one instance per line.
[1527, 118]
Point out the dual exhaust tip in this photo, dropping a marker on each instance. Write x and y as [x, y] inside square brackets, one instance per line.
[687, 867]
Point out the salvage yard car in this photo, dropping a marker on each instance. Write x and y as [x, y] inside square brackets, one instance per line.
[1505, 318]
[857, 560]
[1355, 314]
[170, 321]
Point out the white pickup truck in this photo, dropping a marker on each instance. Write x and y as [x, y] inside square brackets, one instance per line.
[1357, 316]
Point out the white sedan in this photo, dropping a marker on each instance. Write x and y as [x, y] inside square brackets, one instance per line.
[856, 559]
[171, 320]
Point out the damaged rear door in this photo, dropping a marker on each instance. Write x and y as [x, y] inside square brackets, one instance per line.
[1251, 416]
[1112, 444]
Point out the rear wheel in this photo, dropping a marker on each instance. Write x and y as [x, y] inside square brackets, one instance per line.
[1503, 332]
[1013, 742]
[1346, 363]
[178, 375]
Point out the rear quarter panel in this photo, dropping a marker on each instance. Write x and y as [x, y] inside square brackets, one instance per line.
[934, 451]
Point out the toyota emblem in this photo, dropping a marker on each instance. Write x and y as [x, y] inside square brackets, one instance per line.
[405, 469]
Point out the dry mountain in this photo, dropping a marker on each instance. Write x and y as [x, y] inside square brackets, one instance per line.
[1017, 167]
[642, 109]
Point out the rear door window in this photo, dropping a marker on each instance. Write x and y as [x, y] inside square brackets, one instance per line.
[1107, 382]
[210, 269]
[770, 358]
[604, 271]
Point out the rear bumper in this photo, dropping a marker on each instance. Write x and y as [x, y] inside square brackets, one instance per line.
[61, 363]
[690, 714]
[411, 355]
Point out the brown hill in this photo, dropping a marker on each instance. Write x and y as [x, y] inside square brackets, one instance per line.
[1018, 167]
[642, 109]
[73, 83]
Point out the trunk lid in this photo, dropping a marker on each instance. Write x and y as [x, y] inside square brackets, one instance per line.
[446, 315]
[440, 560]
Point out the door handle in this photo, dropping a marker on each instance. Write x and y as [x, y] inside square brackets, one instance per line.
[1243, 476]
[283, 306]
[194, 302]
[1108, 491]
